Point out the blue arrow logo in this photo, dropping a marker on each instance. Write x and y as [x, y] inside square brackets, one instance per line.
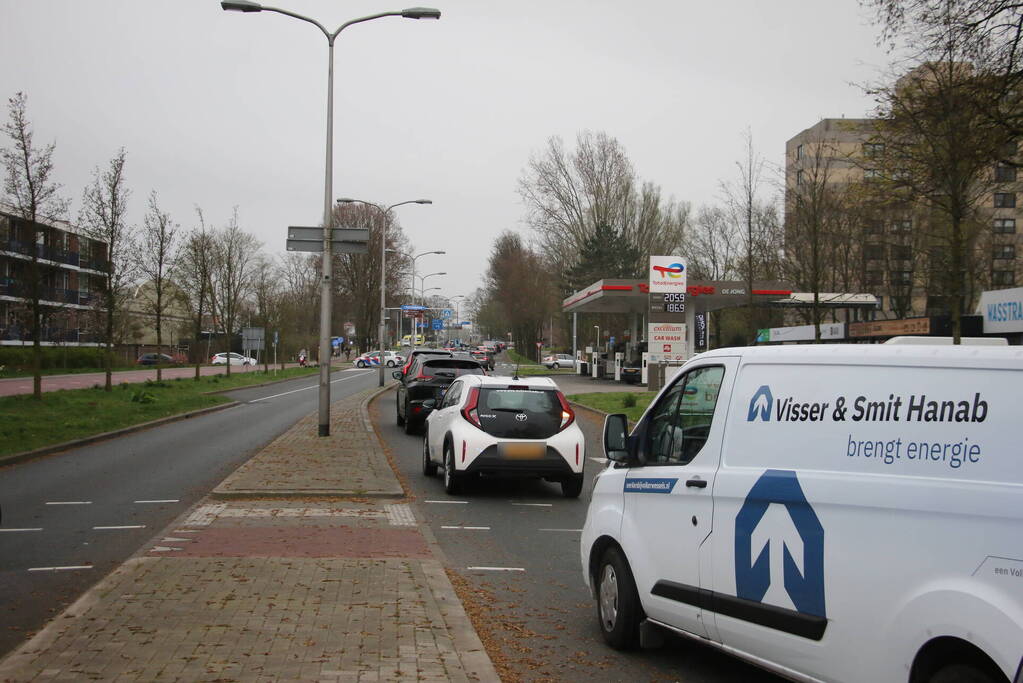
[761, 403]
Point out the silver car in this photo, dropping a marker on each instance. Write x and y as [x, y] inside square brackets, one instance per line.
[559, 360]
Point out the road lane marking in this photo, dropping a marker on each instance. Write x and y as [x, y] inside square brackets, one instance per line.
[33, 529]
[166, 500]
[171, 539]
[468, 528]
[59, 569]
[574, 531]
[534, 505]
[448, 502]
[162, 549]
[314, 386]
[496, 569]
[205, 514]
[69, 502]
[128, 526]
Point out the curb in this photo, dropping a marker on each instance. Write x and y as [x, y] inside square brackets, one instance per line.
[86, 440]
[597, 412]
[469, 648]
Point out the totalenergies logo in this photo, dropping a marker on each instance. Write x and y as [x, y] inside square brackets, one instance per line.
[672, 270]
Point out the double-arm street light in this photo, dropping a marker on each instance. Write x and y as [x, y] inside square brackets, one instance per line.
[458, 317]
[328, 223]
[415, 328]
[385, 212]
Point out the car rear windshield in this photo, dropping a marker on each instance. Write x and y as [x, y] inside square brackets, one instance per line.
[450, 367]
[519, 413]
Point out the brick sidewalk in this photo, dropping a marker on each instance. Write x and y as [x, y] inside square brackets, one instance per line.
[340, 586]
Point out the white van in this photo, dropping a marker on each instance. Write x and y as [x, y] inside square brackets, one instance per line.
[829, 513]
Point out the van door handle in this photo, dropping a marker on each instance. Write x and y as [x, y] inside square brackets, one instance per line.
[696, 483]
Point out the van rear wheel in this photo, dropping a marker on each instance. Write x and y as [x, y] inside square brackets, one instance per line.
[618, 608]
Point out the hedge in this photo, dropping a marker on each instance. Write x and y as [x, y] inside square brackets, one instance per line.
[66, 357]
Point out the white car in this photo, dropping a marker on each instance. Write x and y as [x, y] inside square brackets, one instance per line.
[372, 358]
[498, 426]
[559, 360]
[236, 359]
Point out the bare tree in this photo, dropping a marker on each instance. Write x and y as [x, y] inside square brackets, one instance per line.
[29, 187]
[157, 252]
[301, 292]
[104, 205]
[516, 284]
[266, 284]
[234, 261]
[192, 269]
[712, 245]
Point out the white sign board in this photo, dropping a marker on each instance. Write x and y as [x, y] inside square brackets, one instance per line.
[667, 274]
[1002, 310]
[666, 341]
[806, 332]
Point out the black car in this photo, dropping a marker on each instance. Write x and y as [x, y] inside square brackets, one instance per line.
[155, 359]
[427, 378]
[436, 353]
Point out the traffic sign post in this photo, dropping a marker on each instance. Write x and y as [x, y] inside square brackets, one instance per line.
[342, 240]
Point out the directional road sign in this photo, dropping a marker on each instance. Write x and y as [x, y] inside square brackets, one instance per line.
[343, 240]
[438, 324]
[412, 307]
[446, 313]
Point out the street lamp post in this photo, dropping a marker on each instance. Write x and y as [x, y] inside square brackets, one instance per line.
[328, 223]
[382, 328]
[458, 316]
[415, 327]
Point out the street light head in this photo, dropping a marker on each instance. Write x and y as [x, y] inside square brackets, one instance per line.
[422, 201]
[421, 13]
[346, 200]
[438, 252]
[241, 6]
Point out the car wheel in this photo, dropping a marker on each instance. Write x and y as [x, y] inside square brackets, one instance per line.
[429, 466]
[360, 364]
[618, 608]
[397, 414]
[555, 367]
[452, 479]
[390, 363]
[410, 427]
[572, 487]
[961, 673]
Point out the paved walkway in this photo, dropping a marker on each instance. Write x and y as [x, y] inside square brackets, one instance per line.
[306, 564]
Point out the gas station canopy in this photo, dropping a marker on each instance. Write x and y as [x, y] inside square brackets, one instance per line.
[632, 296]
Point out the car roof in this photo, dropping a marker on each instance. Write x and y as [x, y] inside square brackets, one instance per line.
[539, 383]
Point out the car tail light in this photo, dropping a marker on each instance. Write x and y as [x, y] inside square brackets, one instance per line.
[469, 412]
[567, 414]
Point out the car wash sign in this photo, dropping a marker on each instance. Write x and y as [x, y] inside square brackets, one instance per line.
[666, 341]
[667, 274]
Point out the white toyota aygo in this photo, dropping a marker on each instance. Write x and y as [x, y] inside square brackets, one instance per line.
[500, 426]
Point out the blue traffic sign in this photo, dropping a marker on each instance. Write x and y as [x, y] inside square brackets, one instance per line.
[446, 313]
[438, 324]
[413, 307]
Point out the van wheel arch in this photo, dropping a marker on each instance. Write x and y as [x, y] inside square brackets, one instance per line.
[597, 551]
[939, 656]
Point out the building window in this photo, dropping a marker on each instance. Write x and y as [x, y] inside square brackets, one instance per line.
[799, 151]
[901, 277]
[873, 149]
[1005, 251]
[874, 278]
[874, 227]
[902, 225]
[84, 249]
[5, 229]
[1005, 173]
[1005, 200]
[799, 177]
[1005, 226]
[871, 174]
[873, 252]
[902, 252]
[1003, 278]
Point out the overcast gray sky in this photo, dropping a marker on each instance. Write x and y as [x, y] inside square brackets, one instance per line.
[219, 109]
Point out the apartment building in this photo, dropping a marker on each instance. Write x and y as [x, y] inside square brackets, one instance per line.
[71, 267]
[884, 249]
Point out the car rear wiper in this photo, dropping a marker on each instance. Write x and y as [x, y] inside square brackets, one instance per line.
[441, 373]
[507, 410]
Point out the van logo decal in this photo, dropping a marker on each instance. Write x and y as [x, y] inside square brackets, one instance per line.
[779, 545]
[650, 485]
[761, 403]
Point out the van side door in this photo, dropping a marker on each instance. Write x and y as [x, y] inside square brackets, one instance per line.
[667, 497]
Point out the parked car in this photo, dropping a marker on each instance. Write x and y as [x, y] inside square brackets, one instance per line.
[372, 358]
[158, 359]
[504, 427]
[485, 359]
[235, 358]
[427, 380]
[559, 360]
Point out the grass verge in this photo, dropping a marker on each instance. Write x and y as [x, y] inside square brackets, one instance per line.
[27, 424]
[615, 402]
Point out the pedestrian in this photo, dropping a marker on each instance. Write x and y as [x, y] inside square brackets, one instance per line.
[302, 358]
[348, 352]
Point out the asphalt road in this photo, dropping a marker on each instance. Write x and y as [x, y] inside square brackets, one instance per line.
[516, 545]
[71, 518]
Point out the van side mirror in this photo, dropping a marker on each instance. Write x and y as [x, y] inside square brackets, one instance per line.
[396, 374]
[616, 432]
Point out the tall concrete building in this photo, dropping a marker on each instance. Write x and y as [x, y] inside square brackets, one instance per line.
[887, 248]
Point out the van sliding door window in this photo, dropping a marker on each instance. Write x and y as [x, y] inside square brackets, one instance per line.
[662, 427]
[696, 413]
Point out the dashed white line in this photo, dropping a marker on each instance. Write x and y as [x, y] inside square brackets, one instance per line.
[468, 528]
[314, 386]
[59, 569]
[32, 529]
[167, 500]
[534, 505]
[497, 569]
[69, 502]
[162, 549]
[448, 502]
[127, 526]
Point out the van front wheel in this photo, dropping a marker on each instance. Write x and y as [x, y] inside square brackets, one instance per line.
[618, 608]
[961, 673]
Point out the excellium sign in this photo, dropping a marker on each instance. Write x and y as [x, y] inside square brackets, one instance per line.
[667, 274]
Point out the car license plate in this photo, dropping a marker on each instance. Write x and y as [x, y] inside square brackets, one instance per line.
[524, 451]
